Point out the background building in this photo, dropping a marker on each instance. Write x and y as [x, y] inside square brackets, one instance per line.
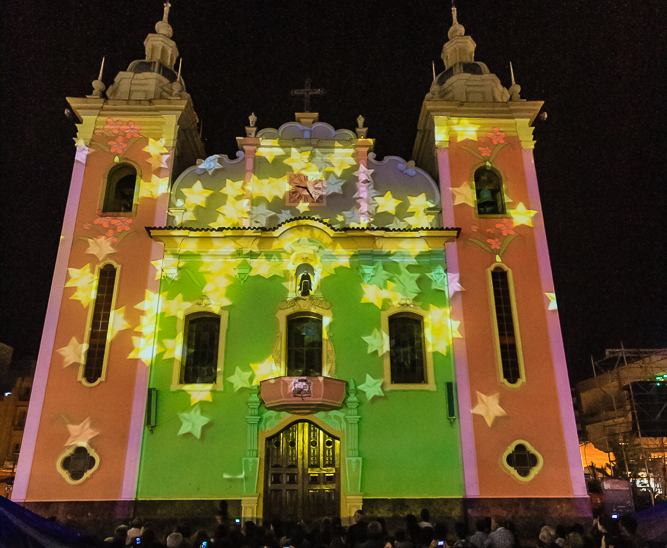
[623, 413]
[304, 329]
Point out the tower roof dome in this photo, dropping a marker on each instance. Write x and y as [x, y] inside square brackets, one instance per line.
[457, 29]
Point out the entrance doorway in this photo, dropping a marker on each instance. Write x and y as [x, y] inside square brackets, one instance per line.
[302, 474]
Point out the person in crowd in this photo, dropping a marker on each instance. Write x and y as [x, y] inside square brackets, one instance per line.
[547, 537]
[412, 528]
[439, 535]
[119, 537]
[628, 528]
[483, 527]
[500, 536]
[134, 530]
[174, 540]
[462, 531]
[401, 539]
[356, 533]
[561, 536]
[425, 516]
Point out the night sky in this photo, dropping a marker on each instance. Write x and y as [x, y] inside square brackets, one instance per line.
[600, 155]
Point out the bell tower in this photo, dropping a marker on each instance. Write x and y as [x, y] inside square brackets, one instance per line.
[86, 419]
[518, 432]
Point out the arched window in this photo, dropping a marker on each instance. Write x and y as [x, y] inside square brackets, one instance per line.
[304, 345]
[406, 348]
[200, 349]
[119, 194]
[489, 192]
[507, 339]
[99, 328]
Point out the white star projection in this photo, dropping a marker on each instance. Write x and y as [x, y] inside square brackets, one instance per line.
[73, 353]
[100, 247]
[192, 422]
[488, 407]
[371, 387]
[377, 342]
[553, 305]
[80, 433]
[240, 379]
[463, 195]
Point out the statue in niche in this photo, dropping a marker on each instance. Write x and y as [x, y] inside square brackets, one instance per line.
[305, 285]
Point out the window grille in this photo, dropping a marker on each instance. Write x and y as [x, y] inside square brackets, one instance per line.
[522, 460]
[97, 341]
[202, 332]
[509, 357]
[406, 348]
[77, 463]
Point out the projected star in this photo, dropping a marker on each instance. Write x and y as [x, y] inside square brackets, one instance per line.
[364, 173]
[154, 189]
[552, 301]
[453, 282]
[372, 387]
[172, 347]
[199, 392]
[117, 322]
[240, 379]
[466, 130]
[298, 160]
[321, 161]
[269, 188]
[155, 148]
[377, 342]
[80, 433]
[100, 247]
[209, 165]
[192, 422]
[159, 162]
[284, 215]
[303, 206]
[260, 214]
[171, 307]
[270, 153]
[81, 153]
[418, 203]
[265, 370]
[83, 279]
[73, 352]
[387, 203]
[233, 188]
[196, 195]
[342, 160]
[463, 194]
[397, 224]
[334, 185]
[488, 407]
[522, 216]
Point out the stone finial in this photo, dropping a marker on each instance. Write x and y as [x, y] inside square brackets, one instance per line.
[515, 88]
[98, 85]
[456, 29]
[163, 27]
[360, 129]
[251, 130]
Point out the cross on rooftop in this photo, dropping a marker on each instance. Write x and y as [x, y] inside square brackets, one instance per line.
[307, 92]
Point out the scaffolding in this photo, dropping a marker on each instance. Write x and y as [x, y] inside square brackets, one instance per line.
[623, 409]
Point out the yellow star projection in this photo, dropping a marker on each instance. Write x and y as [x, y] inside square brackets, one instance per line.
[84, 281]
[172, 307]
[387, 203]
[80, 433]
[199, 392]
[117, 322]
[233, 188]
[265, 370]
[73, 352]
[172, 347]
[154, 188]
[155, 148]
[298, 160]
[488, 407]
[522, 216]
[269, 188]
[341, 160]
[196, 195]
[303, 206]
[440, 329]
[553, 305]
[232, 212]
[270, 152]
[466, 130]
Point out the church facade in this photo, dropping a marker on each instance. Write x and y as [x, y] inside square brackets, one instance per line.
[309, 328]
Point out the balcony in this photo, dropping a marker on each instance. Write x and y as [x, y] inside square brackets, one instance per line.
[303, 395]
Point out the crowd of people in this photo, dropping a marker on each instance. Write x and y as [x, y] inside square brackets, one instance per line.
[373, 533]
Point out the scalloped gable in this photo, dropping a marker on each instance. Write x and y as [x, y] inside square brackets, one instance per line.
[301, 171]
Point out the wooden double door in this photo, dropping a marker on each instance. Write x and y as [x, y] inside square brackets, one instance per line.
[302, 474]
